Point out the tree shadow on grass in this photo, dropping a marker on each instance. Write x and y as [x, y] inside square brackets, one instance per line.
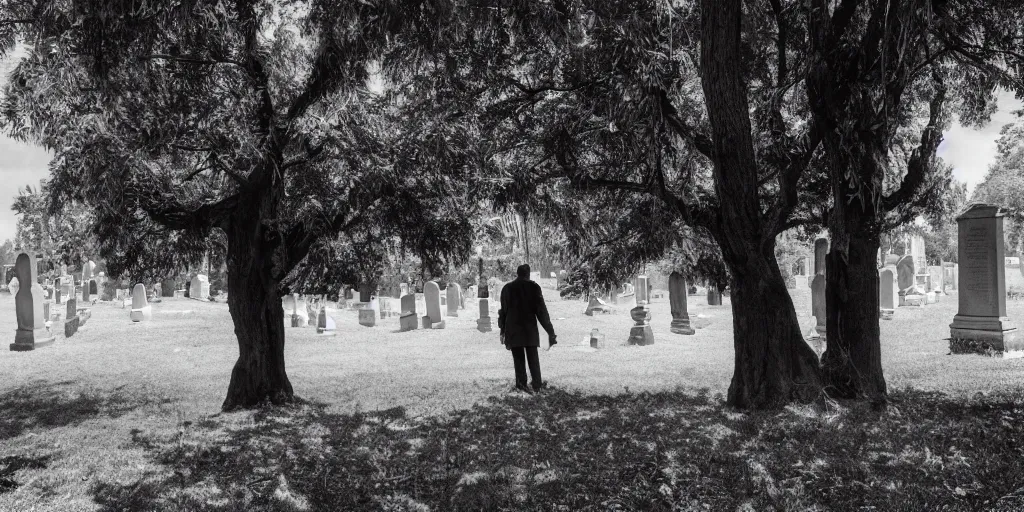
[44, 405]
[567, 451]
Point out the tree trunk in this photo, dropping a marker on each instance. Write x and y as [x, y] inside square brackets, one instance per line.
[255, 305]
[852, 362]
[773, 365]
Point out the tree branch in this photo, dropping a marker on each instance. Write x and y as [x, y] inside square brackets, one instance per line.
[700, 141]
[190, 60]
[922, 159]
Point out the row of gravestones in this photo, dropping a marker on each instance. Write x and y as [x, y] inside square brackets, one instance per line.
[33, 312]
[641, 332]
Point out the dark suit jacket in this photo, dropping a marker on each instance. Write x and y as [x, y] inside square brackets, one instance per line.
[522, 306]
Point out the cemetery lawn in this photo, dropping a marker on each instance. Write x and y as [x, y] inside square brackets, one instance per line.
[124, 416]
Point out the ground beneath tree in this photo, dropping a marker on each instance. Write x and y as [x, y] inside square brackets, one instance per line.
[123, 416]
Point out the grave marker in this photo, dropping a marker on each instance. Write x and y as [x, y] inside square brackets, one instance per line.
[28, 307]
[408, 320]
[141, 310]
[888, 295]
[453, 292]
[677, 303]
[981, 325]
[432, 296]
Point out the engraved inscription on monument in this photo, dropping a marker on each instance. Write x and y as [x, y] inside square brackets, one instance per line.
[977, 268]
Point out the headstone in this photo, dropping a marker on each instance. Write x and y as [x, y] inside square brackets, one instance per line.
[818, 283]
[714, 296]
[432, 296]
[141, 310]
[71, 321]
[596, 339]
[365, 292]
[302, 311]
[28, 307]
[200, 287]
[905, 278]
[403, 289]
[917, 250]
[325, 323]
[453, 292]
[981, 325]
[677, 303]
[483, 324]
[93, 289]
[384, 305]
[86, 276]
[888, 295]
[597, 305]
[408, 320]
[167, 288]
[937, 281]
[368, 313]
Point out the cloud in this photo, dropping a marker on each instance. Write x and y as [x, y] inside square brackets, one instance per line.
[971, 150]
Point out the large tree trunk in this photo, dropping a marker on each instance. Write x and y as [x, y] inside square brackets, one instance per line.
[773, 363]
[255, 305]
[852, 362]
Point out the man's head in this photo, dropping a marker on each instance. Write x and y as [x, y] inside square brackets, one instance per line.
[523, 271]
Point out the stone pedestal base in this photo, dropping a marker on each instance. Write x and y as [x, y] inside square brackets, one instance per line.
[913, 300]
[641, 335]
[138, 315]
[681, 325]
[426, 322]
[70, 326]
[368, 317]
[985, 335]
[820, 330]
[886, 314]
[407, 322]
[25, 340]
[483, 324]
[437, 325]
[930, 298]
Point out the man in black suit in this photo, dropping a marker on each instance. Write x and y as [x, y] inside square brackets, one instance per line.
[522, 306]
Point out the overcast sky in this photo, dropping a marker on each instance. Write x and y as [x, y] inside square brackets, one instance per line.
[968, 150]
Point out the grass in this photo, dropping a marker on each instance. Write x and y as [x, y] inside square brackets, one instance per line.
[123, 416]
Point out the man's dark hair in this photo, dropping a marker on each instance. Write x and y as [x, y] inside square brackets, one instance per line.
[523, 271]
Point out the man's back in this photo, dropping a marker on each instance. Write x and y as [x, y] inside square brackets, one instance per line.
[522, 306]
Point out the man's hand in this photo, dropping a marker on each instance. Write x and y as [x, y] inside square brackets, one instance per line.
[501, 336]
[552, 341]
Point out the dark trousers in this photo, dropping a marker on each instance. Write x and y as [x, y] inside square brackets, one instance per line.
[522, 355]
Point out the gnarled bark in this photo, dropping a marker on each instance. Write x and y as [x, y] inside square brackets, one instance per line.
[774, 365]
[255, 304]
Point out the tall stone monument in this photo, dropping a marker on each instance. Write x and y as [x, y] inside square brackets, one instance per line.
[714, 296]
[677, 303]
[432, 296]
[888, 295]
[981, 325]
[200, 287]
[28, 307]
[453, 293]
[641, 333]
[141, 310]
[818, 308]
